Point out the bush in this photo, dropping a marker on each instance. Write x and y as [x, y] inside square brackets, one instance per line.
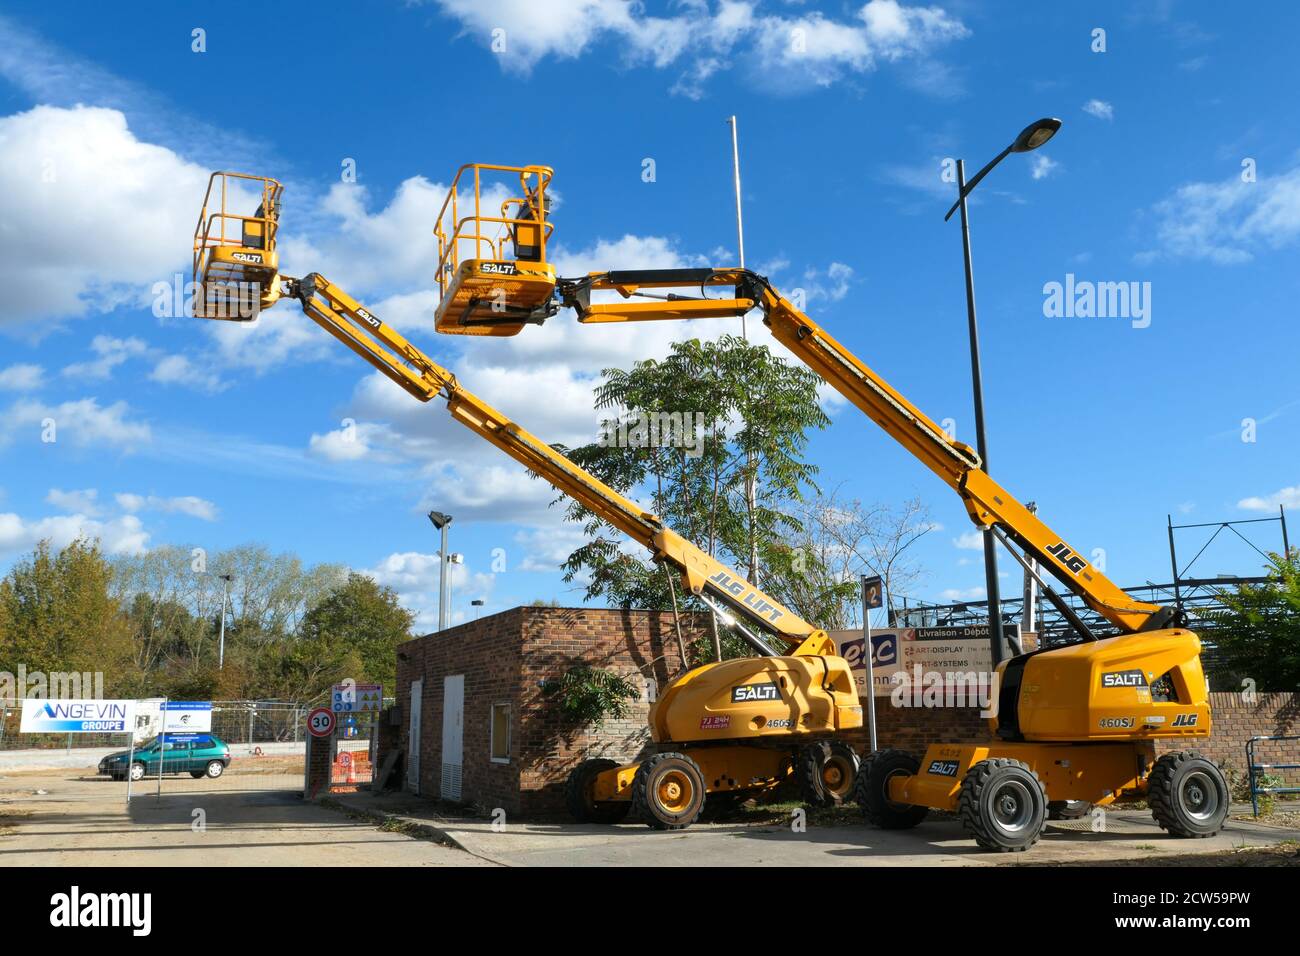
[589, 695]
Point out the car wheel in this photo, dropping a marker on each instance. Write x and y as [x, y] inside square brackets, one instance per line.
[137, 771]
[215, 769]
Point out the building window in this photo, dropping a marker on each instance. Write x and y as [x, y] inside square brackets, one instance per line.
[501, 732]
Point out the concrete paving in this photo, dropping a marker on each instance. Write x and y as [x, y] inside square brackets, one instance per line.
[75, 818]
[939, 841]
[71, 818]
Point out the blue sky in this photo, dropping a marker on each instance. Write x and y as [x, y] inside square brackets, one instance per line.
[1178, 165]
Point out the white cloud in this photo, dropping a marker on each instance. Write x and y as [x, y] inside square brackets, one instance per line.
[186, 504]
[1042, 166]
[92, 206]
[785, 52]
[84, 501]
[548, 548]
[179, 370]
[1100, 109]
[123, 535]
[111, 353]
[1229, 221]
[1288, 497]
[833, 284]
[969, 541]
[21, 378]
[350, 442]
[962, 594]
[414, 576]
[84, 422]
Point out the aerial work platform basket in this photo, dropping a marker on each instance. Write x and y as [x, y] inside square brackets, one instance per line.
[236, 265]
[492, 233]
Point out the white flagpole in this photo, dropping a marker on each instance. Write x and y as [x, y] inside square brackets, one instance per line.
[740, 219]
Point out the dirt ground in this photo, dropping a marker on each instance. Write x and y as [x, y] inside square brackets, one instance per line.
[70, 817]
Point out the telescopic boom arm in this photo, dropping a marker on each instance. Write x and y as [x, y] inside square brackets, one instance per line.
[361, 330]
[989, 505]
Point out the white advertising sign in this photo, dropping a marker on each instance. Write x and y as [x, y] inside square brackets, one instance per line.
[189, 716]
[78, 716]
[901, 651]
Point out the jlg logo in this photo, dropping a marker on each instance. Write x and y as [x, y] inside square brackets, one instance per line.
[1185, 720]
[1067, 557]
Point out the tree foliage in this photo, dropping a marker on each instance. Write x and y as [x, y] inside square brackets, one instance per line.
[151, 623]
[589, 695]
[753, 413]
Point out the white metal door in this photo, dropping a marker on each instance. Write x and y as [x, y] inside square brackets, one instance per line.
[413, 745]
[453, 735]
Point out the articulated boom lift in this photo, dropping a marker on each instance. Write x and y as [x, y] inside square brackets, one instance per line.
[1074, 725]
[722, 729]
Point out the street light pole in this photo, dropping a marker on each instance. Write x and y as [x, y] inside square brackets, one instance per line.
[1031, 137]
[996, 640]
[442, 521]
[221, 639]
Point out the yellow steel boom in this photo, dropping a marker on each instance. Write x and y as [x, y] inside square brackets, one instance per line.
[989, 505]
[389, 351]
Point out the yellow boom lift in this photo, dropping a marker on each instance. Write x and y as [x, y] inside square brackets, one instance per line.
[1074, 724]
[726, 729]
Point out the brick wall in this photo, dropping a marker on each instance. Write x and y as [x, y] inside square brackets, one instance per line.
[1234, 721]
[507, 657]
[487, 653]
[637, 644]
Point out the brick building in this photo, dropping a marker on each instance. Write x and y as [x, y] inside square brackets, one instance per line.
[486, 734]
[510, 747]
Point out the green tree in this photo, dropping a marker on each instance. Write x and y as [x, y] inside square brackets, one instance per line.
[1258, 634]
[749, 414]
[56, 614]
[353, 632]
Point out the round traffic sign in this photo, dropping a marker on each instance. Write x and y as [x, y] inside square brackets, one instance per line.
[320, 722]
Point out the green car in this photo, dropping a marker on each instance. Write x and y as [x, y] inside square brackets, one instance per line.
[199, 755]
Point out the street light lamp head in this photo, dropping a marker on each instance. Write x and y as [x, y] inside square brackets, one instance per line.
[1036, 134]
[439, 519]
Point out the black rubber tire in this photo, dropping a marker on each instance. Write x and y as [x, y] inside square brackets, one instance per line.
[1068, 809]
[871, 794]
[215, 769]
[134, 775]
[197, 774]
[647, 800]
[812, 766]
[577, 794]
[984, 788]
[1188, 795]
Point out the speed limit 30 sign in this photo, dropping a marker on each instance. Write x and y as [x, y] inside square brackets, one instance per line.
[320, 722]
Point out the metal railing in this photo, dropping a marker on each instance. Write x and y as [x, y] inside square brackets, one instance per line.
[219, 227]
[1257, 770]
[469, 231]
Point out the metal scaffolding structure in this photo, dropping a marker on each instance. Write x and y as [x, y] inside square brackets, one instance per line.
[1198, 597]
